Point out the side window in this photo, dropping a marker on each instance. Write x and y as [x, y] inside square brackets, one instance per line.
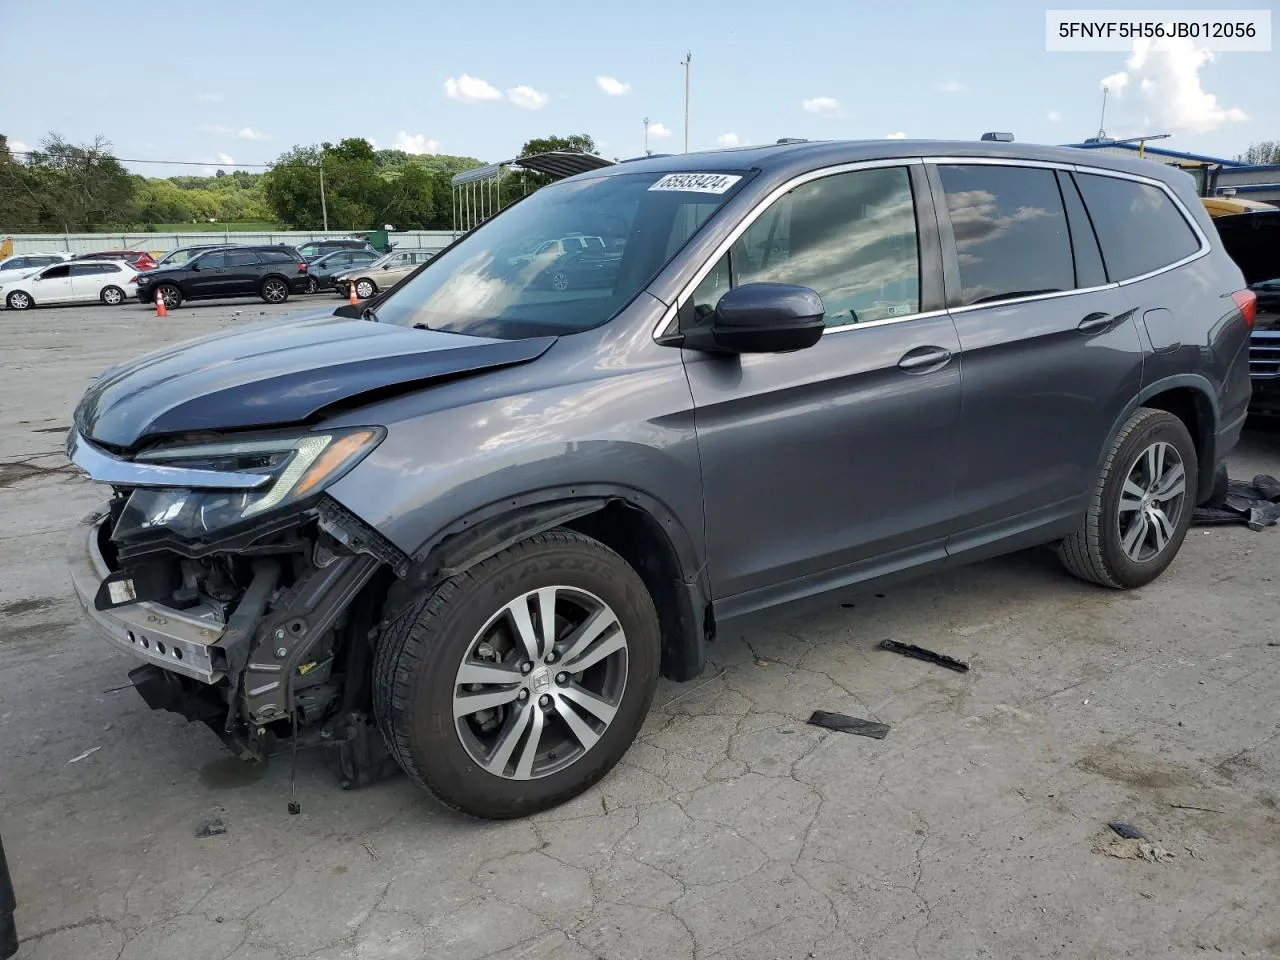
[1138, 226]
[1084, 241]
[1010, 231]
[274, 256]
[17, 263]
[83, 269]
[851, 237]
[56, 273]
[245, 259]
[212, 261]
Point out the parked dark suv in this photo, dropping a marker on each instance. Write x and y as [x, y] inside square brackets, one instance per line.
[314, 249]
[486, 515]
[269, 272]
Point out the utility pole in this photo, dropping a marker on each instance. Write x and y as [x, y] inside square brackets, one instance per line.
[688, 58]
[646, 136]
[324, 208]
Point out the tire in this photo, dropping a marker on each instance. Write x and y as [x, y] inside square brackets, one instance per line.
[426, 647]
[19, 300]
[171, 295]
[366, 288]
[274, 290]
[1099, 551]
[559, 281]
[112, 296]
[312, 285]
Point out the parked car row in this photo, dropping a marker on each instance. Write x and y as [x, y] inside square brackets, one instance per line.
[273, 272]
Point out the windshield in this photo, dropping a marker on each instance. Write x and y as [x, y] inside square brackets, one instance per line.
[175, 257]
[565, 259]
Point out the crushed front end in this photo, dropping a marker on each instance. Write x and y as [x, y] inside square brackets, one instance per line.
[249, 595]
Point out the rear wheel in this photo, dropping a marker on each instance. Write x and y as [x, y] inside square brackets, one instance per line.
[113, 296]
[521, 682]
[1140, 506]
[274, 290]
[312, 286]
[365, 288]
[18, 300]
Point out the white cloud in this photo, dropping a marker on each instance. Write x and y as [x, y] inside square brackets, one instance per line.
[527, 97]
[895, 136]
[1168, 71]
[470, 89]
[208, 98]
[17, 146]
[412, 143]
[248, 133]
[951, 86]
[226, 159]
[1115, 83]
[213, 128]
[612, 86]
[826, 106]
[729, 140]
[1053, 116]
[659, 130]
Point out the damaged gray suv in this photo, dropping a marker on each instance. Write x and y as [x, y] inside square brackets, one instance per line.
[467, 527]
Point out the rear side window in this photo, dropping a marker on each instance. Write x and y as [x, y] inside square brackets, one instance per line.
[1139, 227]
[243, 259]
[1010, 231]
[275, 256]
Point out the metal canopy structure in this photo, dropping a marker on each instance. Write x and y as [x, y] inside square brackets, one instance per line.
[477, 193]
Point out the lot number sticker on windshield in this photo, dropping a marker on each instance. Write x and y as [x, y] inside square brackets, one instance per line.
[697, 182]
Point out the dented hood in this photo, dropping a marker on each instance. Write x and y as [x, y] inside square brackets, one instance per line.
[276, 373]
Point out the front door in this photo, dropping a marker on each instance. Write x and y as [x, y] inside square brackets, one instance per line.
[53, 285]
[830, 465]
[1052, 352]
[208, 275]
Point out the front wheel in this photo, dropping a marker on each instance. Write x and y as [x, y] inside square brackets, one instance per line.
[171, 296]
[113, 296]
[274, 290]
[365, 288]
[519, 683]
[19, 301]
[1140, 507]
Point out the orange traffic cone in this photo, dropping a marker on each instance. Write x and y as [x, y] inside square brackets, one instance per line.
[351, 287]
[161, 309]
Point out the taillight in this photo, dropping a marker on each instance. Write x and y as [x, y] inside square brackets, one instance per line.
[1247, 301]
[302, 268]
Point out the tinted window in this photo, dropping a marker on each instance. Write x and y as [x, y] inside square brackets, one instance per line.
[851, 237]
[89, 269]
[211, 261]
[17, 263]
[242, 259]
[1138, 226]
[275, 256]
[56, 273]
[1084, 242]
[1010, 230]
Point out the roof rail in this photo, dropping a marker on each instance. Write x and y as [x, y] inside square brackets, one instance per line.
[793, 140]
[998, 137]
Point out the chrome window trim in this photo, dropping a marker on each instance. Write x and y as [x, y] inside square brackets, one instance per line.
[752, 215]
[104, 468]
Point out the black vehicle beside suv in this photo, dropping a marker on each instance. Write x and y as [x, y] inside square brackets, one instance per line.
[269, 272]
[314, 249]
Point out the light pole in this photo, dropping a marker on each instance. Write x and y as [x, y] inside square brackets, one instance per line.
[688, 58]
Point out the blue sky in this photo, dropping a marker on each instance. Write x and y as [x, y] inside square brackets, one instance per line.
[234, 80]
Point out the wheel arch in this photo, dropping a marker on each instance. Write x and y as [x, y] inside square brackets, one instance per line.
[635, 525]
[1192, 399]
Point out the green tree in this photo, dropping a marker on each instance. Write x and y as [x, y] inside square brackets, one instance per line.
[19, 207]
[577, 142]
[1267, 151]
[71, 188]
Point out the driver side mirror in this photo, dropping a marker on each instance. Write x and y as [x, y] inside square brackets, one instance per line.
[761, 318]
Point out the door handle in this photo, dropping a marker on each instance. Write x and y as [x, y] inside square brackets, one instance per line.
[1095, 322]
[922, 359]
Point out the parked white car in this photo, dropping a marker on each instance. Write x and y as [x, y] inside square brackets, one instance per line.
[21, 264]
[107, 281]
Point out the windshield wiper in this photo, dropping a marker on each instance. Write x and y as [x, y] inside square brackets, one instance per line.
[421, 326]
[368, 314]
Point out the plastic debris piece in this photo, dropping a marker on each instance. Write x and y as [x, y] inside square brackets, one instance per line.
[213, 827]
[1127, 830]
[295, 808]
[1255, 504]
[920, 653]
[1136, 850]
[846, 724]
[88, 753]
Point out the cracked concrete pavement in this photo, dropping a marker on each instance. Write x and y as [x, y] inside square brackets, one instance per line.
[732, 829]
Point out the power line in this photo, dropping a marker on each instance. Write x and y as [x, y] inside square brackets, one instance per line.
[179, 163]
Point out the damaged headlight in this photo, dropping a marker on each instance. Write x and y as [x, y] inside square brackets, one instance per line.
[300, 466]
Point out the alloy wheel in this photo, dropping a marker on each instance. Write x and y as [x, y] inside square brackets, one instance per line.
[364, 289]
[540, 683]
[1151, 502]
[560, 281]
[274, 291]
[112, 297]
[19, 301]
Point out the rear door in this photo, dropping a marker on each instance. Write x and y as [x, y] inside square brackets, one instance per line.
[1051, 350]
[243, 272]
[88, 279]
[52, 285]
[830, 465]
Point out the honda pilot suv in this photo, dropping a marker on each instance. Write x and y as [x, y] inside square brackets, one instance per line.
[269, 272]
[470, 522]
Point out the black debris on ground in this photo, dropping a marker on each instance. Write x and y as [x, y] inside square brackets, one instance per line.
[1127, 830]
[1255, 504]
[846, 724]
[929, 656]
[213, 827]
